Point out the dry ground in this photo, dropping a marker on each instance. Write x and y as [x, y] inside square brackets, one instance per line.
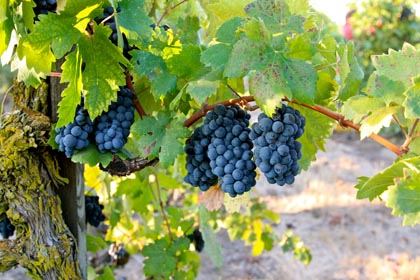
[348, 238]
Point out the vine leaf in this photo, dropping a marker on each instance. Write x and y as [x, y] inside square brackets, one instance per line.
[243, 58]
[401, 65]
[350, 71]
[373, 187]
[158, 137]
[6, 26]
[212, 248]
[103, 74]
[72, 73]
[216, 56]
[133, 21]
[318, 128]
[187, 63]
[155, 69]
[201, 89]
[227, 32]
[404, 197]
[92, 156]
[412, 101]
[378, 119]
[161, 257]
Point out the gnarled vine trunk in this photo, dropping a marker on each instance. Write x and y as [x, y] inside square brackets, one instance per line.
[44, 244]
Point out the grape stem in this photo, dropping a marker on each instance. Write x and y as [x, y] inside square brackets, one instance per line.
[136, 101]
[159, 200]
[167, 11]
[410, 137]
[399, 151]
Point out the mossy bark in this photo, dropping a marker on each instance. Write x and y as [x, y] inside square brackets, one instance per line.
[28, 175]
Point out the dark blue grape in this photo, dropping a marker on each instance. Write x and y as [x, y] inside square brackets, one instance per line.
[230, 149]
[113, 126]
[93, 208]
[276, 149]
[74, 136]
[266, 124]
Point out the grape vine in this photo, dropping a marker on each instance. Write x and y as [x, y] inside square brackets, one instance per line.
[193, 71]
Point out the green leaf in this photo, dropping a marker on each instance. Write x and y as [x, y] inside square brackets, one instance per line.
[269, 87]
[108, 274]
[71, 73]
[200, 90]
[377, 120]
[404, 198]
[158, 260]
[384, 89]
[29, 76]
[187, 63]
[351, 73]
[159, 137]
[212, 248]
[376, 185]
[61, 36]
[301, 47]
[155, 69]
[301, 78]
[256, 31]
[318, 128]
[188, 30]
[133, 21]
[6, 26]
[32, 50]
[412, 101]
[103, 74]
[92, 156]
[226, 9]
[95, 243]
[357, 107]
[227, 32]
[244, 57]
[401, 65]
[216, 56]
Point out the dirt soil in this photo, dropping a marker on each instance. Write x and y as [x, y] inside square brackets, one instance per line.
[348, 238]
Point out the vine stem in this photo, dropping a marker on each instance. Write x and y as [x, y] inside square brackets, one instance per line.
[399, 151]
[410, 136]
[159, 200]
[136, 101]
[167, 11]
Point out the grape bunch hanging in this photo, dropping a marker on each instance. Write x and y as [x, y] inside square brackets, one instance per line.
[109, 132]
[222, 150]
[93, 209]
[225, 151]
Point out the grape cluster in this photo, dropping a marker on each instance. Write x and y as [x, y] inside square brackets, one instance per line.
[75, 136]
[118, 254]
[44, 6]
[93, 209]
[229, 153]
[6, 228]
[113, 127]
[276, 150]
[110, 21]
[197, 239]
[198, 163]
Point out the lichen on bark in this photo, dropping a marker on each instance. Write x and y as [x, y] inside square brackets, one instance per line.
[28, 175]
